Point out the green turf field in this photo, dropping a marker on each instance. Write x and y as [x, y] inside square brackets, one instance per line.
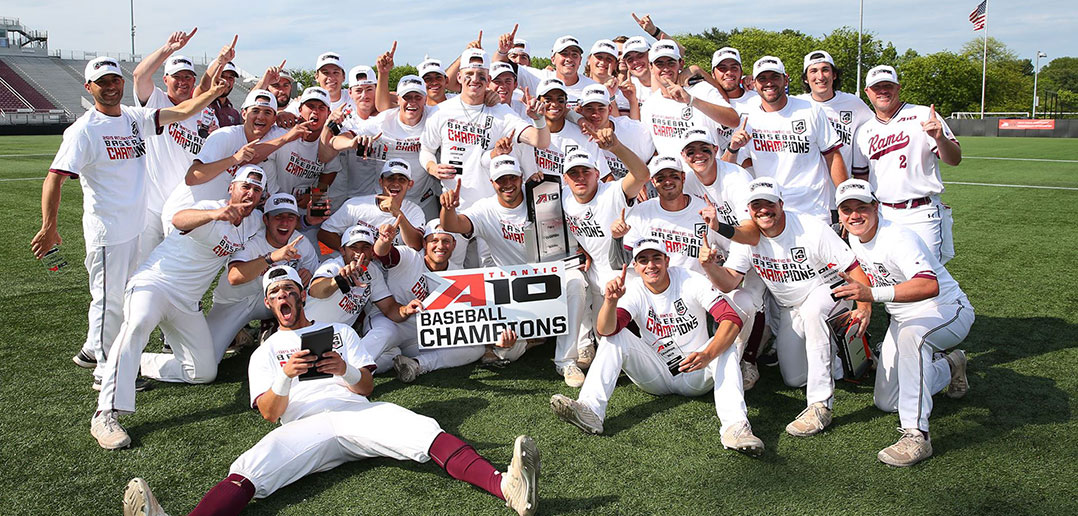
[1008, 447]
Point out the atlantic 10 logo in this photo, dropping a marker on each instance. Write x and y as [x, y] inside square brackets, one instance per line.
[479, 290]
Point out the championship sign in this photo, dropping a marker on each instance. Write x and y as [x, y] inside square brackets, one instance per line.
[471, 307]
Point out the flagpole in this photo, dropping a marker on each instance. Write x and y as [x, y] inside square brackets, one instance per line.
[984, 59]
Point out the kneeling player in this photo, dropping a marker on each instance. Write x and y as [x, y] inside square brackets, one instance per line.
[929, 314]
[328, 421]
[672, 354]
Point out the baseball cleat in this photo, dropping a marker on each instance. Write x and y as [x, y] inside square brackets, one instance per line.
[739, 437]
[407, 368]
[141, 384]
[139, 501]
[84, 359]
[520, 484]
[750, 374]
[810, 421]
[574, 377]
[912, 448]
[242, 340]
[576, 414]
[959, 385]
[108, 432]
[585, 356]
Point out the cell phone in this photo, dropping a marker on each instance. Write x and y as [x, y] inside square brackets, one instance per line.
[694, 80]
[334, 127]
[835, 285]
[318, 342]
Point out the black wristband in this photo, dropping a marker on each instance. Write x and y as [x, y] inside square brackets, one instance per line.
[342, 283]
[266, 258]
[726, 230]
[657, 32]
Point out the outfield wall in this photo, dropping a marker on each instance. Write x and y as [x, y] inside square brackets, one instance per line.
[1061, 128]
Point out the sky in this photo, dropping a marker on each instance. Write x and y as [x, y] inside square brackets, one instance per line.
[281, 30]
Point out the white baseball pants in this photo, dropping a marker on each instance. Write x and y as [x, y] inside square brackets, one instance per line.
[226, 319]
[803, 344]
[932, 222]
[566, 351]
[152, 235]
[109, 268]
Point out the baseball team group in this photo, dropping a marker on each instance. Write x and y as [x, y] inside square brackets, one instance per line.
[722, 222]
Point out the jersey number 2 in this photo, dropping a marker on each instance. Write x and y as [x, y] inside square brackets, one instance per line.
[901, 162]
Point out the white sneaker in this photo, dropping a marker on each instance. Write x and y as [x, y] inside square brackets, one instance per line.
[810, 421]
[912, 448]
[959, 385]
[576, 414]
[585, 356]
[750, 374]
[108, 432]
[739, 437]
[574, 377]
[520, 484]
[407, 368]
[139, 501]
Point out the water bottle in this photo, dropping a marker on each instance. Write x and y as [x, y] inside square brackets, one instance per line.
[53, 260]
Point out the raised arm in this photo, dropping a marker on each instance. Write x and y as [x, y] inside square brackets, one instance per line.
[451, 220]
[150, 64]
[383, 100]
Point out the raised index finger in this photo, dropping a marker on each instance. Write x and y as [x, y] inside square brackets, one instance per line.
[932, 113]
[744, 122]
[456, 191]
[624, 269]
[635, 18]
[480, 39]
[234, 40]
[514, 33]
[192, 33]
[393, 50]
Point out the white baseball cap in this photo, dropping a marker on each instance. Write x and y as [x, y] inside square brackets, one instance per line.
[177, 63]
[565, 42]
[279, 202]
[328, 58]
[578, 158]
[409, 84]
[664, 48]
[397, 166]
[430, 65]
[605, 46]
[817, 56]
[664, 162]
[229, 67]
[697, 134]
[474, 58]
[434, 227]
[549, 85]
[362, 75]
[251, 174]
[723, 54]
[520, 46]
[277, 274]
[501, 67]
[645, 244]
[882, 73]
[504, 165]
[356, 234]
[285, 75]
[595, 93]
[635, 44]
[768, 64]
[100, 67]
[260, 98]
[854, 189]
[764, 188]
[315, 93]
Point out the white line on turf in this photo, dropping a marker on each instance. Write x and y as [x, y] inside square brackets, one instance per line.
[25, 155]
[1024, 159]
[1010, 186]
[23, 179]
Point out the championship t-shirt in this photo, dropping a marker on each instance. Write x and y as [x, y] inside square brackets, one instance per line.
[401, 141]
[669, 119]
[364, 211]
[295, 167]
[846, 113]
[528, 77]
[405, 279]
[633, 135]
[590, 222]
[501, 228]
[257, 247]
[681, 232]
[345, 308]
[551, 160]
[729, 193]
[749, 99]
[171, 152]
[678, 313]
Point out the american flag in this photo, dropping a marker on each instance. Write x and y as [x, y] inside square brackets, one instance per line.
[977, 17]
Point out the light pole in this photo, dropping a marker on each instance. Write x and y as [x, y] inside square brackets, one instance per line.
[860, 28]
[1036, 71]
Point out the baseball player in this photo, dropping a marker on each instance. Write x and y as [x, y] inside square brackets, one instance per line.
[360, 169]
[634, 53]
[519, 53]
[166, 291]
[798, 258]
[898, 152]
[306, 162]
[503, 81]
[790, 140]
[564, 137]
[929, 315]
[329, 73]
[435, 81]
[371, 211]
[236, 299]
[672, 354]
[328, 421]
[846, 112]
[500, 222]
[105, 148]
[602, 68]
[727, 71]
[594, 107]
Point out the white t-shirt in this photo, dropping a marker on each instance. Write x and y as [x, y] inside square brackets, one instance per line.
[729, 193]
[747, 101]
[669, 119]
[679, 312]
[634, 135]
[364, 211]
[170, 152]
[789, 145]
[846, 113]
[590, 223]
[185, 264]
[551, 159]
[310, 396]
[805, 255]
[108, 155]
[895, 255]
[501, 228]
[401, 141]
[405, 279]
[295, 167]
[464, 134]
[528, 77]
[642, 92]
[345, 308]
[346, 99]
[256, 247]
[680, 231]
[900, 157]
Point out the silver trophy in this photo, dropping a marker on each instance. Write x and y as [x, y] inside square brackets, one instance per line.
[546, 238]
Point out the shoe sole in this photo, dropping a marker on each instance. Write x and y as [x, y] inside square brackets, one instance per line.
[563, 409]
[752, 451]
[525, 450]
[85, 364]
[120, 446]
[398, 368]
[954, 394]
[797, 433]
[886, 459]
[136, 489]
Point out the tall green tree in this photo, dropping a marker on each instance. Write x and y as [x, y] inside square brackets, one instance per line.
[945, 79]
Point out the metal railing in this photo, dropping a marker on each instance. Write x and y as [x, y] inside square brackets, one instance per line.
[973, 115]
[41, 90]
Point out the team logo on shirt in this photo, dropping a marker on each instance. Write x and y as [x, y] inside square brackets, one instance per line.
[882, 271]
[799, 126]
[878, 147]
[701, 229]
[798, 254]
[686, 113]
[126, 147]
[845, 117]
[513, 232]
[680, 307]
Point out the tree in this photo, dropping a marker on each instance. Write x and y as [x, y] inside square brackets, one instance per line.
[1060, 74]
[945, 79]
[1008, 79]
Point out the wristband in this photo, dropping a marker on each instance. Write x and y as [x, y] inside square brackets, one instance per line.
[342, 283]
[503, 53]
[883, 294]
[726, 230]
[281, 384]
[730, 149]
[539, 123]
[351, 375]
[657, 32]
[266, 258]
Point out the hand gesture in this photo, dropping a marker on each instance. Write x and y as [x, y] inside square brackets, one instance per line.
[220, 87]
[628, 89]
[305, 276]
[273, 74]
[390, 204]
[299, 363]
[451, 199]
[933, 126]
[387, 232]
[491, 97]
[615, 288]
[619, 228]
[506, 339]
[852, 290]
[696, 361]
[741, 137]
[228, 52]
[604, 138]
[332, 363]
[505, 41]
[232, 213]
[612, 85]
[337, 115]
[364, 145]
[287, 252]
[536, 106]
[246, 153]
[709, 214]
[44, 241]
[411, 308]
[286, 120]
[385, 61]
[503, 146]
[645, 23]
[354, 270]
[707, 254]
[478, 43]
[674, 91]
[178, 40]
[300, 130]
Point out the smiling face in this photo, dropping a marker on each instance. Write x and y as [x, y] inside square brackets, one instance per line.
[435, 83]
[602, 66]
[884, 96]
[316, 112]
[821, 80]
[180, 85]
[669, 183]
[859, 218]
[285, 299]
[257, 120]
[245, 193]
[651, 266]
[282, 89]
[771, 86]
[567, 62]
[411, 106]
[637, 63]
[363, 96]
[667, 68]
[768, 216]
[357, 250]
[395, 185]
[473, 82]
[107, 91]
[582, 180]
[330, 77]
[508, 190]
[728, 72]
[503, 85]
[279, 227]
[556, 104]
[700, 156]
[439, 247]
[596, 112]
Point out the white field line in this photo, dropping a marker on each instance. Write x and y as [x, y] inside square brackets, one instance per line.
[1024, 159]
